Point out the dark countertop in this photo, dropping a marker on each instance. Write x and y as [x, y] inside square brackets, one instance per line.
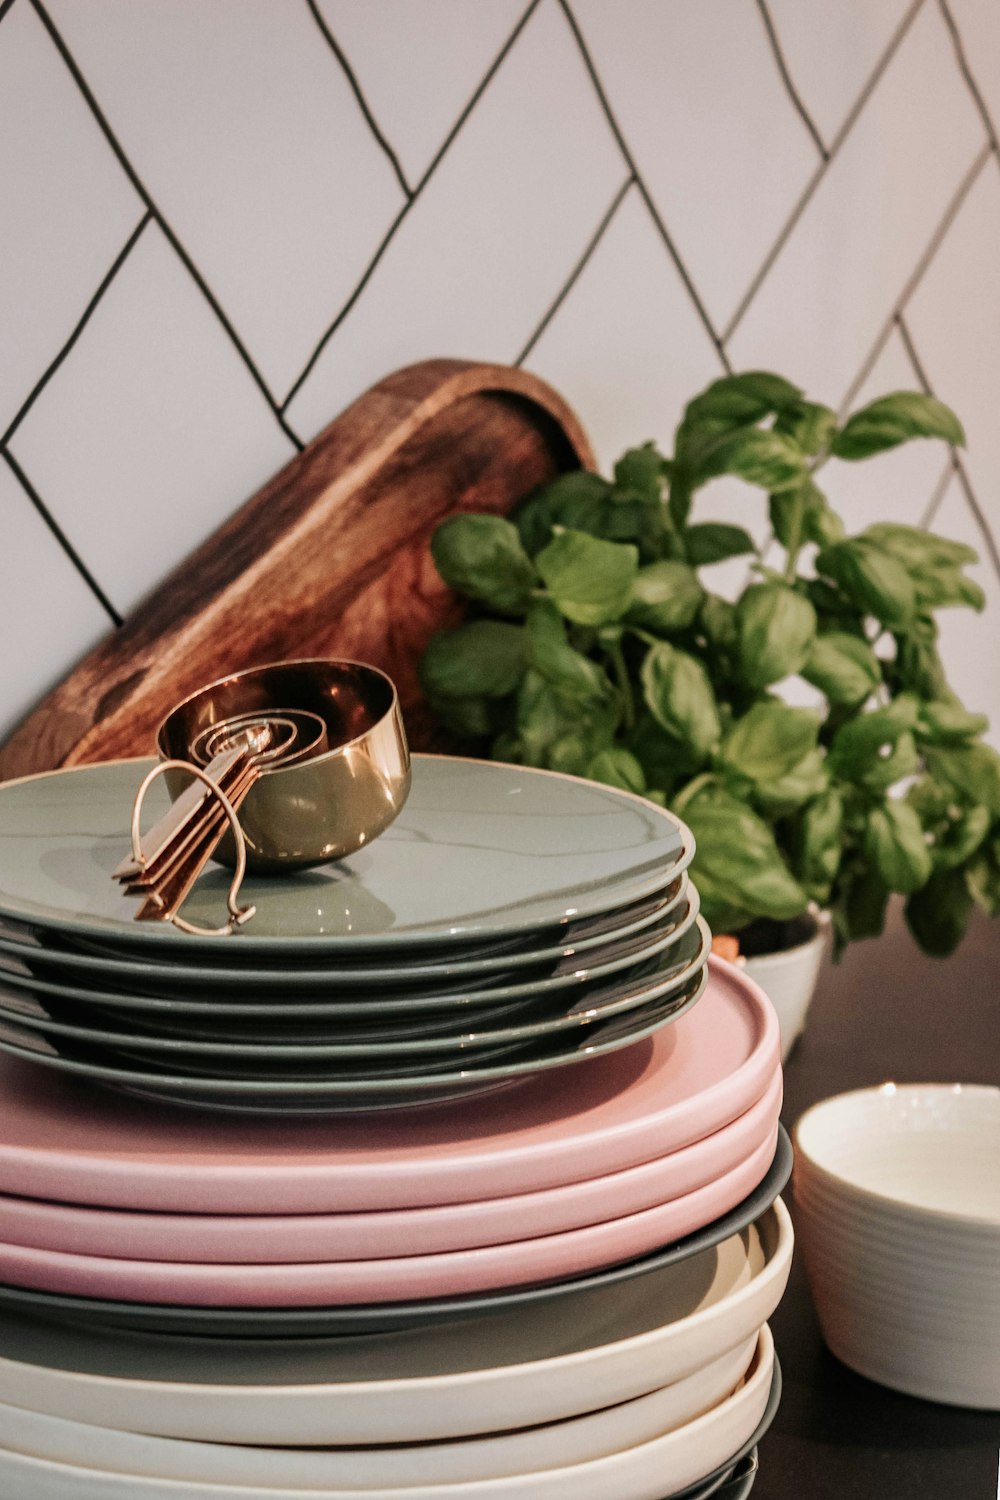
[886, 1012]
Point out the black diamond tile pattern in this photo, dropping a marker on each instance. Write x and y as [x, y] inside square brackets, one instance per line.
[623, 240]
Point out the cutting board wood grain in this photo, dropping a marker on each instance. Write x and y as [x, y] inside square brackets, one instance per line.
[330, 558]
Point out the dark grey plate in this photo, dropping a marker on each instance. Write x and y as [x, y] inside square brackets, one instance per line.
[262, 1056]
[532, 985]
[479, 852]
[405, 1085]
[309, 1322]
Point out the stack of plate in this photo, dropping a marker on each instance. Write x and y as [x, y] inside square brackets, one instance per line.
[509, 922]
[528, 1159]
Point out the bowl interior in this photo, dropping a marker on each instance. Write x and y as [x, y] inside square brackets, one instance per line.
[934, 1148]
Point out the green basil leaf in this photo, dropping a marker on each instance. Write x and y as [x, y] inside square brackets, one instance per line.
[663, 757]
[961, 838]
[768, 742]
[802, 515]
[917, 660]
[971, 770]
[740, 400]
[757, 455]
[865, 902]
[618, 768]
[482, 557]
[469, 718]
[873, 579]
[809, 425]
[590, 580]
[550, 653]
[775, 628]
[938, 914]
[713, 542]
[580, 500]
[922, 551]
[717, 618]
[895, 419]
[665, 596]
[639, 474]
[679, 695]
[542, 718]
[896, 846]
[844, 667]
[874, 749]
[778, 799]
[982, 879]
[738, 860]
[818, 843]
[484, 658]
[946, 723]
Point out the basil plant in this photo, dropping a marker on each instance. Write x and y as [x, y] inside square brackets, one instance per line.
[594, 645]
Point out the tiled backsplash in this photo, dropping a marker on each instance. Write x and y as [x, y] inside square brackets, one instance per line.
[223, 219]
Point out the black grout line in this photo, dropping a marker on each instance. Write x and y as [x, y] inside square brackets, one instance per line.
[640, 184]
[140, 188]
[981, 518]
[397, 221]
[817, 177]
[82, 322]
[574, 275]
[5, 6]
[917, 275]
[786, 78]
[363, 105]
[61, 536]
[940, 490]
[966, 72]
[956, 458]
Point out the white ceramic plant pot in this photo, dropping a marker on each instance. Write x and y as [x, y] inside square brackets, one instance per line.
[789, 978]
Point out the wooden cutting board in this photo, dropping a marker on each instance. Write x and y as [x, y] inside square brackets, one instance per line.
[331, 558]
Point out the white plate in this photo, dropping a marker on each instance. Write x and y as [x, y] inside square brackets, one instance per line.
[510, 1369]
[493, 1456]
[673, 1459]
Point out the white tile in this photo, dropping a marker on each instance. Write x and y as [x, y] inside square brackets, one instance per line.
[978, 23]
[419, 65]
[626, 347]
[49, 617]
[871, 219]
[954, 317]
[832, 51]
[151, 432]
[489, 243]
[731, 501]
[68, 207]
[240, 122]
[697, 93]
[968, 641]
[894, 486]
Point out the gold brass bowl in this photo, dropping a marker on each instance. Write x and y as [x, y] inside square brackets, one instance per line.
[331, 798]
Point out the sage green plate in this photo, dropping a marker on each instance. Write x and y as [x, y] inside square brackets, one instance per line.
[48, 954]
[363, 1044]
[530, 987]
[355, 1091]
[479, 851]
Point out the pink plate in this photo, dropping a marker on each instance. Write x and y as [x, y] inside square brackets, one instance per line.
[390, 1232]
[336, 1283]
[61, 1140]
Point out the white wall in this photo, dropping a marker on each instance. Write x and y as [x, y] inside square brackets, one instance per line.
[221, 220]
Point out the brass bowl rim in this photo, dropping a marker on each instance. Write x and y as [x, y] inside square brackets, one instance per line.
[306, 661]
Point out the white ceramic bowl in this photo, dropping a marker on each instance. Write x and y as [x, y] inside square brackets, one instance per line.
[898, 1192]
